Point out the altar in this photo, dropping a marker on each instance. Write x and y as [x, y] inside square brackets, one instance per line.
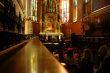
[50, 28]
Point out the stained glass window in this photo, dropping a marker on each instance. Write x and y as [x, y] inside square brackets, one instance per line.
[75, 10]
[86, 1]
[65, 10]
[34, 10]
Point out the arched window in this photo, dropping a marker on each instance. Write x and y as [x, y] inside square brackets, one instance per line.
[65, 10]
[75, 10]
[34, 10]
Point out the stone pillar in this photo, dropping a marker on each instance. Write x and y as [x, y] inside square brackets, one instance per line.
[28, 26]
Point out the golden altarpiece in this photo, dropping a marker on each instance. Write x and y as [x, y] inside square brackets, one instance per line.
[50, 19]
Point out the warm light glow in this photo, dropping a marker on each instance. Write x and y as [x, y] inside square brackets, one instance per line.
[28, 27]
[76, 15]
[64, 64]
[75, 11]
[34, 10]
[32, 63]
[59, 37]
[86, 1]
[65, 10]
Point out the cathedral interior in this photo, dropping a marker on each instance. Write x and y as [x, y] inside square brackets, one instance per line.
[50, 36]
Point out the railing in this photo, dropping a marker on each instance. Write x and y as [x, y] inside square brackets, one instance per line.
[91, 41]
[33, 58]
[9, 39]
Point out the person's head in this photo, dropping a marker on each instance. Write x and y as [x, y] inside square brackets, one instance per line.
[87, 54]
[65, 54]
[102, 52]
[76, 55]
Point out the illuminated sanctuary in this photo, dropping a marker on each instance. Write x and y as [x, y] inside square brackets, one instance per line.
[50, 19]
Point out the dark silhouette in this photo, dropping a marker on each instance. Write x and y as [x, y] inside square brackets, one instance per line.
[86, 65]
[105, 68]
[61, 48]
[70, 65]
